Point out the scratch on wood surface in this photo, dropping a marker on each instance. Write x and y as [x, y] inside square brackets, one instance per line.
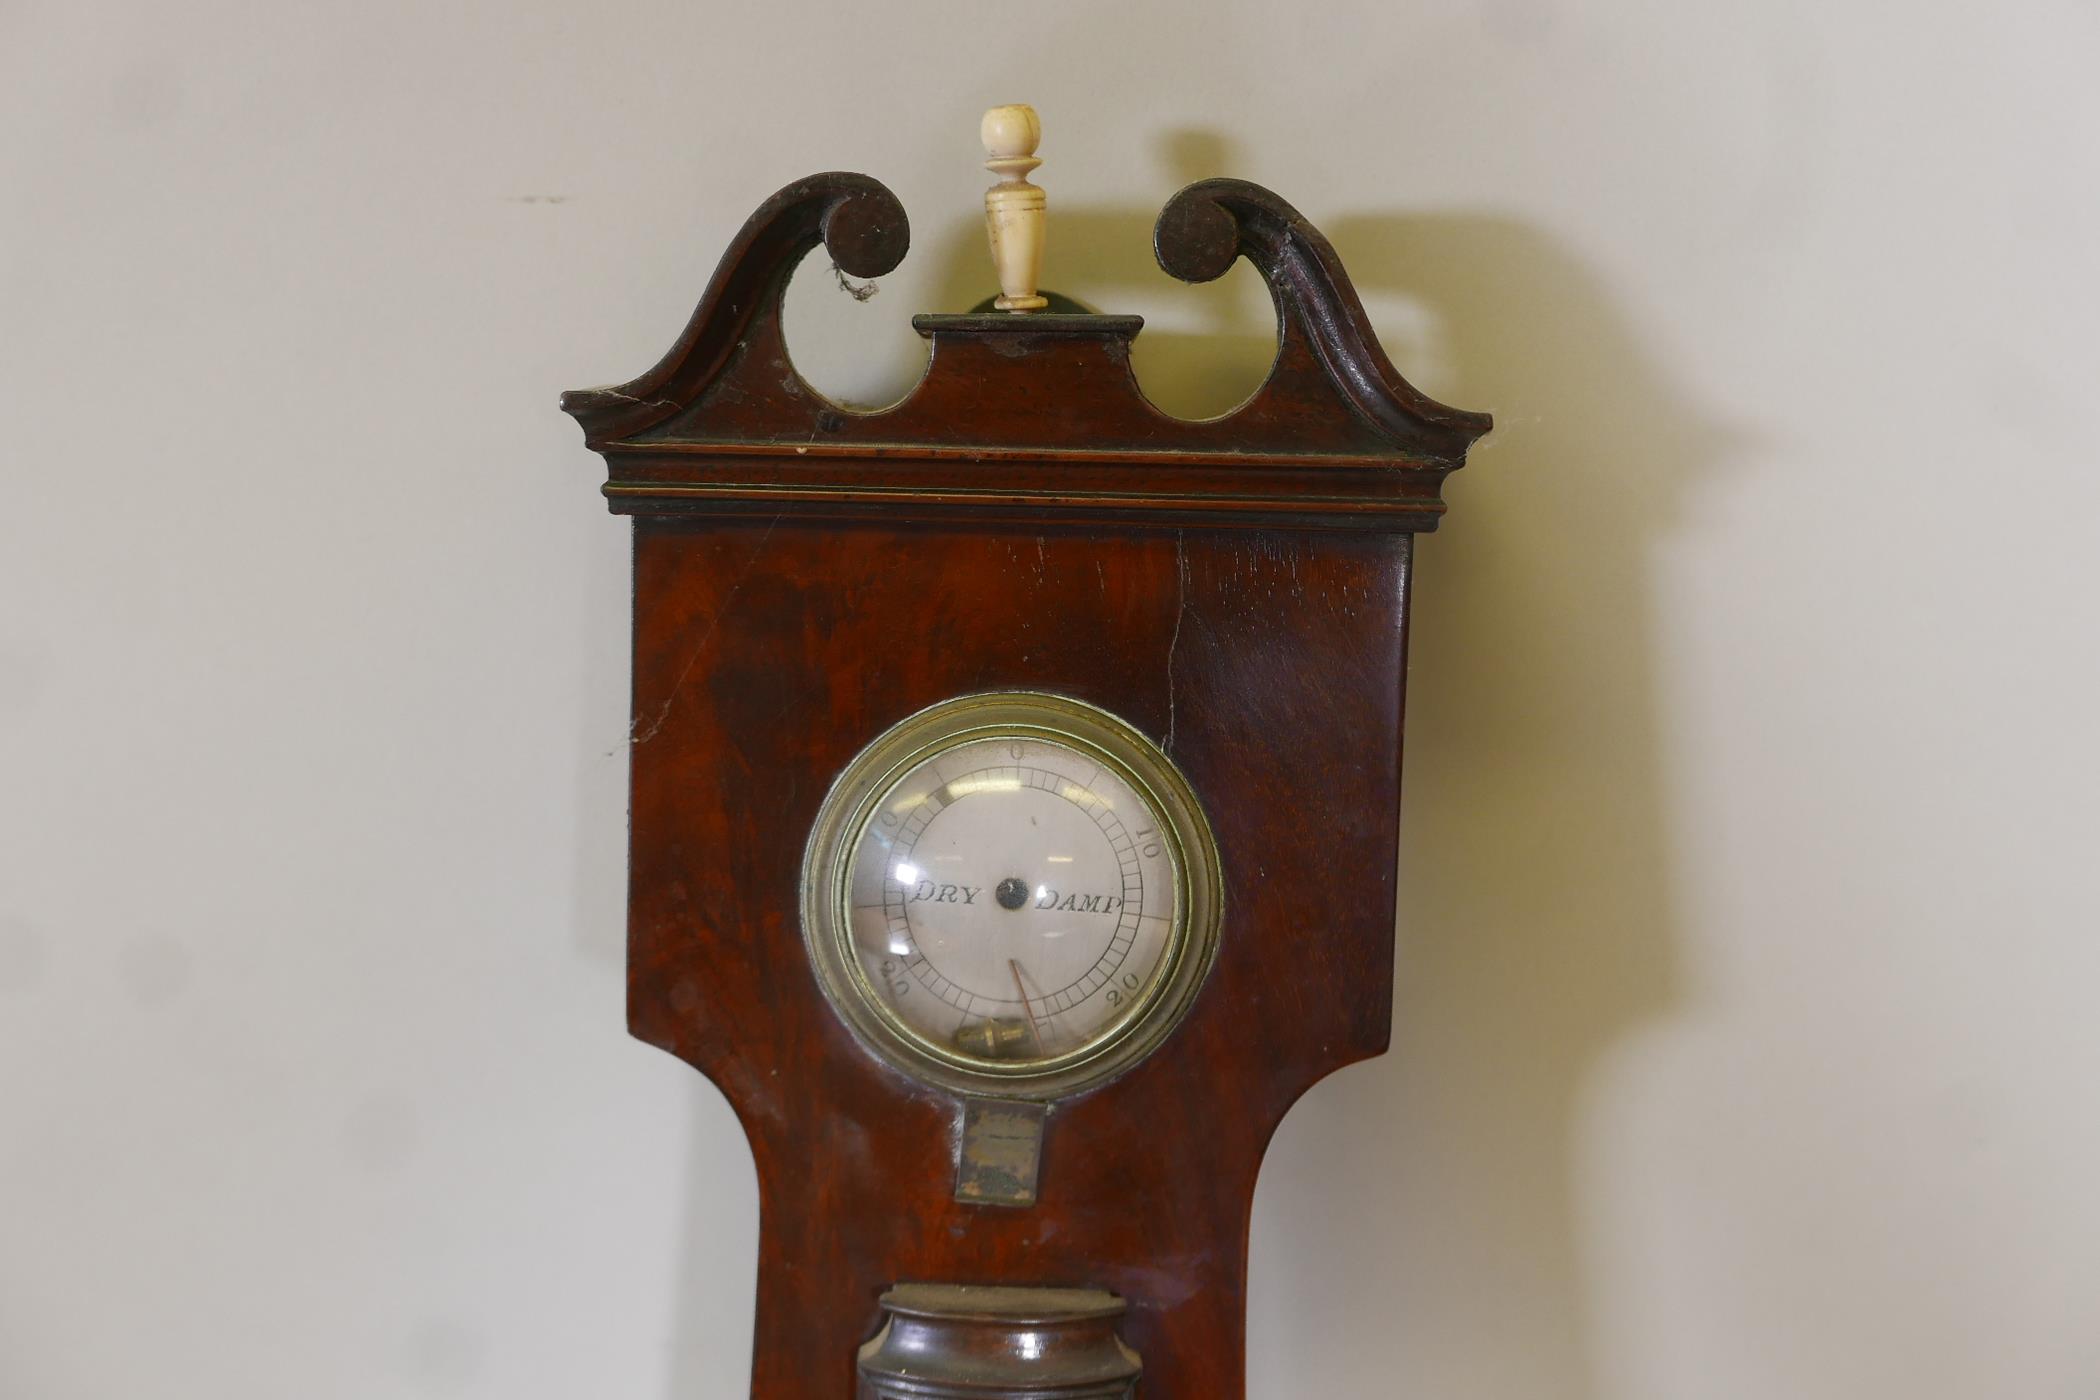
[1181, 608]
[664, 711]
[629, 398]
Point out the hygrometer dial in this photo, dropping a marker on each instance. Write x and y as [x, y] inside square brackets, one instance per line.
[1012, 890]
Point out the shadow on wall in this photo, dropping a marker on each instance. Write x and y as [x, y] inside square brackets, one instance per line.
[1420, 1212]
[1416, 1231]
[866, 356]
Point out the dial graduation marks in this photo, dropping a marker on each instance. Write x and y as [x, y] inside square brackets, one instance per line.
[1012, 897]
[1011, 886]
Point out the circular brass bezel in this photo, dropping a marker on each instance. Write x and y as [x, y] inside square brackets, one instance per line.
[851, 805]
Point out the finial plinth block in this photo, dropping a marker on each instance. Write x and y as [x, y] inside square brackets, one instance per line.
[1014, 209]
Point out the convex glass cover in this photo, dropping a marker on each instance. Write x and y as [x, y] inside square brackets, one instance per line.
[1014, 892]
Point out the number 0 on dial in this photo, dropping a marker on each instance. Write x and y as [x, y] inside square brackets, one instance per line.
[1011, 893]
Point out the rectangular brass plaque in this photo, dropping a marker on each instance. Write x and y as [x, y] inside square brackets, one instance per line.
[1002, 1150]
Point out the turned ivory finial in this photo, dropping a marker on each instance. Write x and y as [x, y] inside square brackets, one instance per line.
[1013, 208]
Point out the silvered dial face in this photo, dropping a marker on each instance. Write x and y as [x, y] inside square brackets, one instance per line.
[1012, 899]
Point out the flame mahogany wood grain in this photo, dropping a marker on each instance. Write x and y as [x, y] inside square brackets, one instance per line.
[768, 653]
[1023, 520]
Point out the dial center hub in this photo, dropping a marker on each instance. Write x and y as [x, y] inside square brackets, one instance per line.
[1014, 898]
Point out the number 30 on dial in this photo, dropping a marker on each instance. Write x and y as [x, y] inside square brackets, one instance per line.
[1013, 893]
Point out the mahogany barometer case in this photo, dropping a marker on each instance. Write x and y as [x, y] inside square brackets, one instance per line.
[1015, 795]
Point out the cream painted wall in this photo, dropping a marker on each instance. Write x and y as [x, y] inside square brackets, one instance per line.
[1745, 1043]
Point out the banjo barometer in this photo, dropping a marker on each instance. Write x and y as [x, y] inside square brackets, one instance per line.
[1015, 788]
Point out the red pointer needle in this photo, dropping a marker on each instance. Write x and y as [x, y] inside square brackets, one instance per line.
[1033, 1029]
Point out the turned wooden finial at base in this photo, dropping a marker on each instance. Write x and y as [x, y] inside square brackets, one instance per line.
[1014, 208]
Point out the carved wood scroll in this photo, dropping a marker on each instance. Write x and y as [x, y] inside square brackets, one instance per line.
[723, 424]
